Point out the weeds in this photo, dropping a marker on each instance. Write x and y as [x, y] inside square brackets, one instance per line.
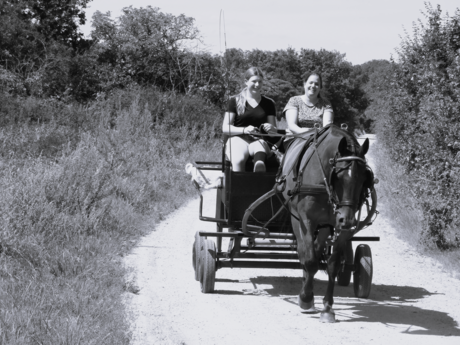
[78, 190]
[400, 203]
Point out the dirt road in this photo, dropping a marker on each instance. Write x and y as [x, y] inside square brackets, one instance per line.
[413, 300]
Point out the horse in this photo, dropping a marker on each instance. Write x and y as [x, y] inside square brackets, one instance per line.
[323, 177]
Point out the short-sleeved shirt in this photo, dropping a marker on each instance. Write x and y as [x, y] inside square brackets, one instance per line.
[252, 116]
[308, 116]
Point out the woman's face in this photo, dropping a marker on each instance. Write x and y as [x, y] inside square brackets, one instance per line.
[254, 84]
[312, 86]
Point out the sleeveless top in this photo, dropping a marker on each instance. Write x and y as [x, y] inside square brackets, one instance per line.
[307, 115]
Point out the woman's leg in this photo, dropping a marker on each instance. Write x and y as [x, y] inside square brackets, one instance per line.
[237, 151]
[259, 150]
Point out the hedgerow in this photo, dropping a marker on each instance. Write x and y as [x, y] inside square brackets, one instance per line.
[420, 124]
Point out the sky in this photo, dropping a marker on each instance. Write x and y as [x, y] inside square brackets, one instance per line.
[364, 30]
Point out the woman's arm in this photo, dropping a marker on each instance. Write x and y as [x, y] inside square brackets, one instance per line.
[291, 119]
[230, 130]
[328, 117]
[270, 126]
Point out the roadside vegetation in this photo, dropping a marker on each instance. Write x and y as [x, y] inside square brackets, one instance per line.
[80, 185]
[415, 112]
[95, 133]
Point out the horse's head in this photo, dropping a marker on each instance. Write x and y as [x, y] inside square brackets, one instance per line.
[350, 176]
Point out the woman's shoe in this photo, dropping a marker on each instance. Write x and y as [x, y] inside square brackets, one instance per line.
[259, 166]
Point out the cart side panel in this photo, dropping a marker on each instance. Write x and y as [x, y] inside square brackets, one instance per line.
[243, 188]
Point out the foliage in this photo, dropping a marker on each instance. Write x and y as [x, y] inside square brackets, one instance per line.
[147, 46]
[56, 20]
[43, 55]
[38, 43]
[344, 91]
[284, 70]
[420, 125]
[402, 209]
[374, 79]
[80, 187]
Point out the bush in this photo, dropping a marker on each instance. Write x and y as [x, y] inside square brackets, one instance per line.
[421, 123]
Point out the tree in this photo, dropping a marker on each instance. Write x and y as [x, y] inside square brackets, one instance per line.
[374, 77]
[38, 39]
[341, 86]
[147, 45]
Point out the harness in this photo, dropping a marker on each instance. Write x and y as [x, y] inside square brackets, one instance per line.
[327, 188]
[299, 157]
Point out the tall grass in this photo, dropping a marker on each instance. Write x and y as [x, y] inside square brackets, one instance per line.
[399, 203]
[80, 185]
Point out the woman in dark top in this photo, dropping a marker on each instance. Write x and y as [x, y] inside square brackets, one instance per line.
[246, 112]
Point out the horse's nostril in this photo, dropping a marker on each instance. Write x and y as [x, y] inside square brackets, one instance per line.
[341, 220]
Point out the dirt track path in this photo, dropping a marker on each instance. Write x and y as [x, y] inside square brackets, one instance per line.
[413, 301]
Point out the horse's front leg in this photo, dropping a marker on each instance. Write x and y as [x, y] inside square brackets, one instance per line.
[333, 266]
[304, 231]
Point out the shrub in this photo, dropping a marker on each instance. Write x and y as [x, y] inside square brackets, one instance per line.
[421, 123]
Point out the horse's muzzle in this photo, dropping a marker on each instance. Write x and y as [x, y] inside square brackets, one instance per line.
[345, 218]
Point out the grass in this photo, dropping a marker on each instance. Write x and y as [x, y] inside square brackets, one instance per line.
[404, 212]
[80, 185]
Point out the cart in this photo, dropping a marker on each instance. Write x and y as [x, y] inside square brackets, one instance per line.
[246, 199]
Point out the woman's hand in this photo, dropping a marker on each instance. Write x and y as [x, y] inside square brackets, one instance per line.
[269, 128]
[289, 133]
[250, 130]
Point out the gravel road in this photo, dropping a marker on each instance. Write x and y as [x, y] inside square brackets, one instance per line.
[413, 299]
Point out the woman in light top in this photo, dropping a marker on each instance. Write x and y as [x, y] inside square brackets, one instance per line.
[246, 112]
[303, 112]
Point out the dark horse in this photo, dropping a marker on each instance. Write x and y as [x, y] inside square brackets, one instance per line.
[324, 176]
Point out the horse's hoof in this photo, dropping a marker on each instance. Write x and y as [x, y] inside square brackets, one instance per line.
[327, 317]
[307, 307]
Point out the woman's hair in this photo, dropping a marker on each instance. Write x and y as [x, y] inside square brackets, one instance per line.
[308, 75]
[241, 97]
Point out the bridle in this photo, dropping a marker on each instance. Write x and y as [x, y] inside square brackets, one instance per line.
[335, 171]
[333, 198]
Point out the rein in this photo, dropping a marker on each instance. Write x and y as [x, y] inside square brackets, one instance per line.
[333, 199]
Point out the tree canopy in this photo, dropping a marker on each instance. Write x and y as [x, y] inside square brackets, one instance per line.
[43, 54]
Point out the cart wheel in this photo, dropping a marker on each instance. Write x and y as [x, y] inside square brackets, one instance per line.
[362, 277]
[208, 266]
[197, 247]
[344, 277]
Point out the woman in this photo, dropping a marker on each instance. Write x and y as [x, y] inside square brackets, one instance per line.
[304, 112]
[246, 112]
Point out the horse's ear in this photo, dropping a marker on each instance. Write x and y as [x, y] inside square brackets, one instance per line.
[343, 146]
[364, 147]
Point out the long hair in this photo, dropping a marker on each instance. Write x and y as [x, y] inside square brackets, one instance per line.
[241, 97]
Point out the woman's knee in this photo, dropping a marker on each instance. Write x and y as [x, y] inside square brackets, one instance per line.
[236, 149]
[259, 146]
